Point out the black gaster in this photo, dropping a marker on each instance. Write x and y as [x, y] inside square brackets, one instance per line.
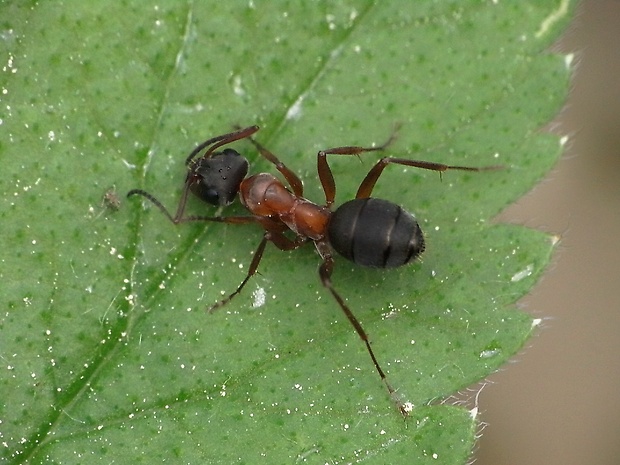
[375, 233]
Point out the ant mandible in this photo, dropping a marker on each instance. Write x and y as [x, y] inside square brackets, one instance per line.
[368, 231]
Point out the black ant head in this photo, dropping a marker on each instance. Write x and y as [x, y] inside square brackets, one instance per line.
[216, 179]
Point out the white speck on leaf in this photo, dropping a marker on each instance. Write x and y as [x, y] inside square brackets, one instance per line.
[294, 112]
[258, 297]
[489, 353]
[522, 274]
[238, 87]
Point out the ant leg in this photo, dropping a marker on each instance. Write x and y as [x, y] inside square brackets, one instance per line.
[284, 243]
[291, 177]
[251, 271]
[325, 272]
[218, 141]
[179, 218]
[271, 235]
[325, 172]
[368, 184]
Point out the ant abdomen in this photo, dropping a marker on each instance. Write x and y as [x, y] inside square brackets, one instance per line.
[375, 233]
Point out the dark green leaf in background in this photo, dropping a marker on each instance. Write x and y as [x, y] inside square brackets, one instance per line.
[107, 354]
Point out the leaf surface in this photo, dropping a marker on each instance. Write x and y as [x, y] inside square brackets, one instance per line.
[107, 350]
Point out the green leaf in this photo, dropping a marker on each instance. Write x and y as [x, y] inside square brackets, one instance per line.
[106, 349]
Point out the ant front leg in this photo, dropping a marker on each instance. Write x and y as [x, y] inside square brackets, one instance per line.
[179, 218]
[325, 273]
[292, 179]
[325, 173]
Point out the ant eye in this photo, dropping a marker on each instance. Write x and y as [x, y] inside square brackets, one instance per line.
[211, 196]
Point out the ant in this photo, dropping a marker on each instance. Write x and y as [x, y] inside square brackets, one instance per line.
[368, 231]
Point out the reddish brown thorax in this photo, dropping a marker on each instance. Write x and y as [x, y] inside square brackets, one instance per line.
[264, 195]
